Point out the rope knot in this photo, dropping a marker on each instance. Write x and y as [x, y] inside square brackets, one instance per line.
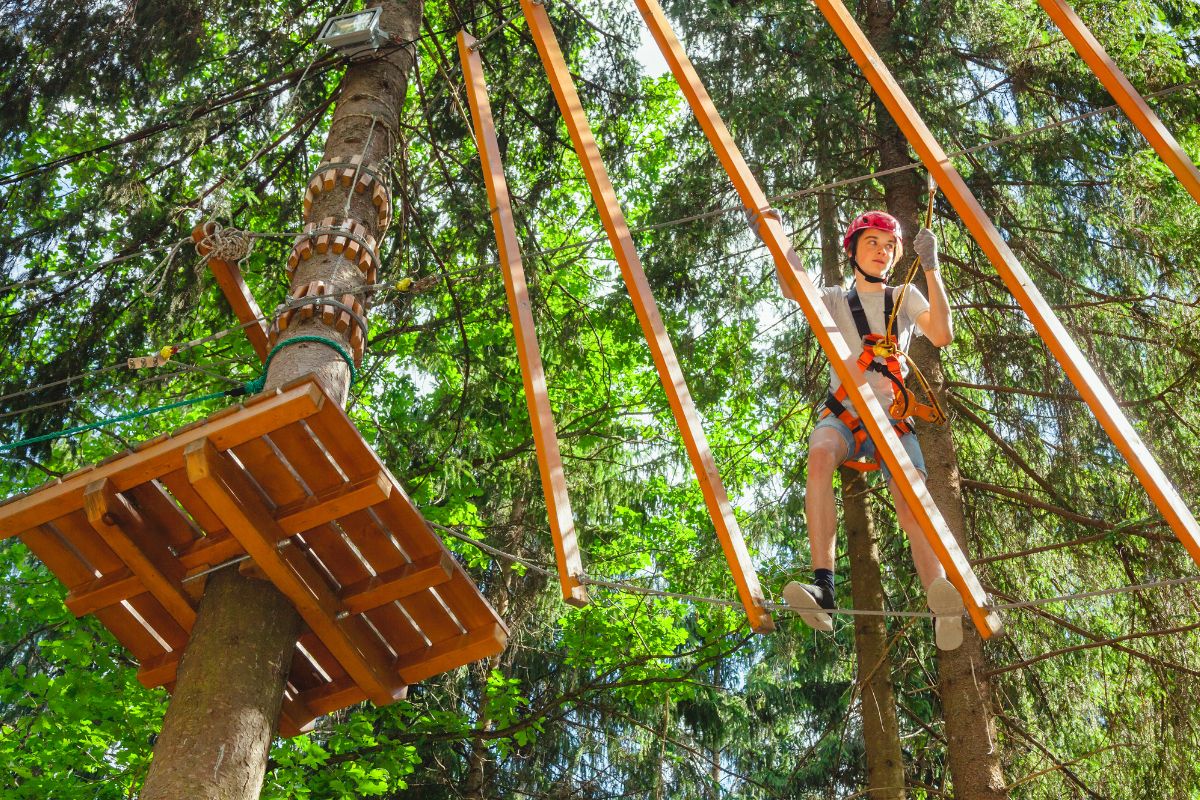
[225, 244]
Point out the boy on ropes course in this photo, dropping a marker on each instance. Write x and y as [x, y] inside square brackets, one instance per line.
[879, 319]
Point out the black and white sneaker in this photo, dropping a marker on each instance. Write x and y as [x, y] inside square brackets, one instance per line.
[808, 601]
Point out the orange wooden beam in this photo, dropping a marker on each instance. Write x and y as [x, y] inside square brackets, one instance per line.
[142, 549]
[229, 492]
[1068, 354]
[245, 307]
[541, 417]
[1127, 97]
[262, 414]
[669, 372]
[844, 360]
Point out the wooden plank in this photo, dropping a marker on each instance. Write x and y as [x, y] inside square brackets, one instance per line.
[460, 592]
[444, 656]
[210, 551]
[687, 419]
[146, 555]
[162, 515]
[228, 492]
[343, 443]
[1131, 102]
[432, 620]
[397, 583]
[1073, 361]
[295, 717]
[275, 479]
[241, 300]
[256, 419]
[90, 597]
[329, 505]
[177, 485]
[843, 359]
[45, 543]
[75, 529]
[333, 697]
[159, 670]
[537, 399]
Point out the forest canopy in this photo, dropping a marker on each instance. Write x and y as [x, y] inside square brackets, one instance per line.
[124, 125]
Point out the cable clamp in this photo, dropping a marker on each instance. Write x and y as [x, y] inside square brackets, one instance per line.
[151, 361]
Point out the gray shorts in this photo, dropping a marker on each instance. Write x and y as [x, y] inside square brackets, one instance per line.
[909, 440]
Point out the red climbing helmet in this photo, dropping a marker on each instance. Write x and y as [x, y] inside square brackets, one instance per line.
[880, 220]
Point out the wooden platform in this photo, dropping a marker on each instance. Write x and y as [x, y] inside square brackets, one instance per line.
[287, 480]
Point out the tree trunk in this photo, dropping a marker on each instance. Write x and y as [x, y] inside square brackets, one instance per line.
[224, 712]
[965, 690]
[881, 728]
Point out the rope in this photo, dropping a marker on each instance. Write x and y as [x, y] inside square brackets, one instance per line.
[1137, 587]
[255, 386]
[114, 420]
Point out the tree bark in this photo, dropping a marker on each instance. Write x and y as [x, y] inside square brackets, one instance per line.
[965, 690]
[881, 728]
[225, 709]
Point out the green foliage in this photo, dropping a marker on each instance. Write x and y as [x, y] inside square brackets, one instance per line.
[631, 695]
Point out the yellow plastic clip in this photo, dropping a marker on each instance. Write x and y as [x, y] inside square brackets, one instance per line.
[884, 348]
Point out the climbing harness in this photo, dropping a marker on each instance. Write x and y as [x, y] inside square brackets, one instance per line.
[881, 354]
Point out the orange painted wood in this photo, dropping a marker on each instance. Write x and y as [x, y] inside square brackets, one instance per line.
[162, 515]
[333, 503]
[475, 645]
[1131, 102]
[840, 355]
[87, 598]
[1073, 361]
[78, 533]
[333, 697]
[260, 416]
[351, 453]
[229, 493]
[159, 670]
[270, 473]
[397, 583]
[176, 483]
[45, 543]
[241, 299]
[143, 551]
[210, 551]
[541, 416]
[669, 371]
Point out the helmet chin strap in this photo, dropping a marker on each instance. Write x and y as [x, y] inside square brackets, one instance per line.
[866, 277]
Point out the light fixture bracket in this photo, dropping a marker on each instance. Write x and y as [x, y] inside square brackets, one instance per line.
[354, 32]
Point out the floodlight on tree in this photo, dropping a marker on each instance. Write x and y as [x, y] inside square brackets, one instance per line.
[356, 31]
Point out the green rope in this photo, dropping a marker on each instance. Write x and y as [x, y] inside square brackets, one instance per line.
[145, 412]
[252, 387]
[255, 386]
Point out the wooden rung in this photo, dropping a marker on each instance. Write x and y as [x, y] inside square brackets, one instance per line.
[334, 696]
[229, 492]
[397, 583]
[213, 549]
[87, 598]
[328, 506]
[158, 671]
[141, 548]
[471, 646]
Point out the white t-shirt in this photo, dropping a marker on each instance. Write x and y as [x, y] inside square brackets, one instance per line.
[914, 305]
